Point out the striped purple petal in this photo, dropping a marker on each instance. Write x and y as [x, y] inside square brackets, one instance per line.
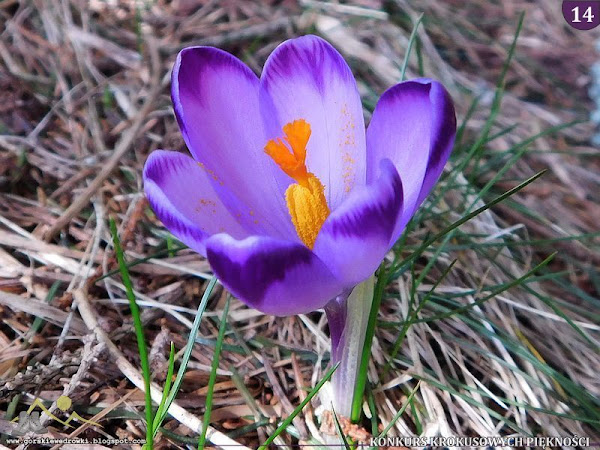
[414, 125]
[355, 237]
[181, 195]
[215, 97]
[273, 276]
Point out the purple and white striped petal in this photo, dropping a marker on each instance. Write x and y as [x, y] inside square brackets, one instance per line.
[181, 195]
[414, 125]
[356, 236]
[215, 97]
[273, 276]
[306, 78]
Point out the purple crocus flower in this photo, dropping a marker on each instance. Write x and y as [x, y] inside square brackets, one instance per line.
[288, 197]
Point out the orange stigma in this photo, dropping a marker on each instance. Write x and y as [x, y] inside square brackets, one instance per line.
[292, 163]
[306, 200]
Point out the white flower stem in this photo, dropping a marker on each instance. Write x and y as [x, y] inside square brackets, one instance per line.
[348, 317]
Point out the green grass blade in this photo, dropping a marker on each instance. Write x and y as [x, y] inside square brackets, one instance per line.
[401, 411]
[213, 374]
[170, 370]
[238, 432]
[373, 410]
[552, 304]
[339, 430]
[468, 217]
[460, 132]
[474, 402]
[186, 355]
[361, 378]
[497, 97]
[419, 52]
[139, 332]
[38, 321]
[411, 40]
[238, 381]
[299, 408]
[172, 250]
[412, 317]
[167, 388]
[479, 195]
[519, 153]
[496, 292]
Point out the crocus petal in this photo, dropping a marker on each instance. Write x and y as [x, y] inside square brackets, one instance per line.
[414, 125]
[182, 197]
[215, 97]
[306, 78]
[355, 237]
[274, 276]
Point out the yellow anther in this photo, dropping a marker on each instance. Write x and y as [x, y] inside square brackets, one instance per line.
[306, 200]
[308, 209]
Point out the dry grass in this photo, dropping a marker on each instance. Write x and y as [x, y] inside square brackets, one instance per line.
[84, 98]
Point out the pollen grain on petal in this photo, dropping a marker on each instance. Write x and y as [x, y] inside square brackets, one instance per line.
[349, 171]
[211, 173]
[206, 205]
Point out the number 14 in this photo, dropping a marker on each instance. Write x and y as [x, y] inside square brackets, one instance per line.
[586, 15]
